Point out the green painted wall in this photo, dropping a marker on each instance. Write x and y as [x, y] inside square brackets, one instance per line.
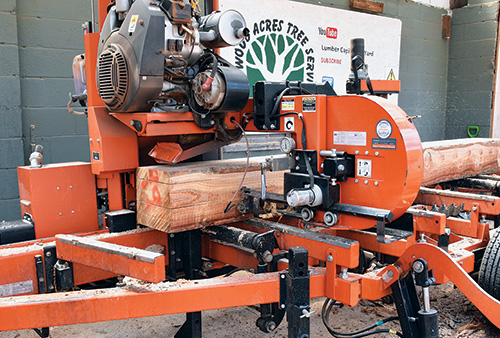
[471, 68]
[38, 40]
[446, 81]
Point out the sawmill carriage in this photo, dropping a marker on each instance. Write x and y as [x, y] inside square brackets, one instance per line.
[346, 216]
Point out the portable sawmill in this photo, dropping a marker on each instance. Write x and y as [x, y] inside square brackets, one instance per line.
[350, 222]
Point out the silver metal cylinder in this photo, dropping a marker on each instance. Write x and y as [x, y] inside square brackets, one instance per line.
[427, 299]
[328, 153]
[92, 19]
[36, 157]
[301, 197]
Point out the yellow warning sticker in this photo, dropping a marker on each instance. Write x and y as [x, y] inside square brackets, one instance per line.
[309, 104]
[288, 104]
[391, 75]
[133, 23]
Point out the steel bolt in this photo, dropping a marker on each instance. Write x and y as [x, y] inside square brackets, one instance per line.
[329, 258]
[48, 254]
[172, 235]
[387, 276]
[58, 188]
[71, 187]
[90, 140]
[344, 274]
[376, 183]
[282, 306]
[418, 266]
[60, 214]
[212, 122]
[271, 326]
[322, 165]
[366, 182]
[356, 180]
[447, 231]
[41, 279]
[283, 276]
[72, 211]
[306, 313]
[272, 126]
[356, 152]
[366, 152]
[474, 208]
[376, 153]
[172, 252]
[267, 256]
[341, 167]
[297, 158]
[98, 140]
[297, 168]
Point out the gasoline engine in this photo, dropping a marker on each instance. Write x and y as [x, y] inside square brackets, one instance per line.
[157, 56]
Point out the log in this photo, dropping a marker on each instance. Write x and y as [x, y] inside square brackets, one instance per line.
[455, 159]
[194, 195]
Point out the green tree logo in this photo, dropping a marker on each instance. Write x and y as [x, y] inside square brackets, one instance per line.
[275, 57]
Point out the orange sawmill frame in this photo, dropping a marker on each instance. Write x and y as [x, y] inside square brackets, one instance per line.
[96, 256]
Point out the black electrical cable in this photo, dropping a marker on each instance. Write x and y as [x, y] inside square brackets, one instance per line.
[214, 67]
[193, 110]
[327, 307]
[225, 133]
[230, 205]
[369, 84]
[304, 145]
[303, 138]
[283, 93]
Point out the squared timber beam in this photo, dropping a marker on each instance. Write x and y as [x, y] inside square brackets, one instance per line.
[367, 6]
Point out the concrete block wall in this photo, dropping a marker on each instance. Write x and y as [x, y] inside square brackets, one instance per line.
[49, 36]
[11, 144]
[38, 40]
[423, 64]
[471, 68]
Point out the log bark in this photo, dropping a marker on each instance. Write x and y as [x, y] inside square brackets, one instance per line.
[455, 159]
[194, 195]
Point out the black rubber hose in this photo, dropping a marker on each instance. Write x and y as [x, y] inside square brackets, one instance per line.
[327, 306]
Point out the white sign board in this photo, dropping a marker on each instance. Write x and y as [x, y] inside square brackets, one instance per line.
[304, 42]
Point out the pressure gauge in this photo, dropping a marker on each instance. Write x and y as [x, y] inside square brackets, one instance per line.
[287, 144]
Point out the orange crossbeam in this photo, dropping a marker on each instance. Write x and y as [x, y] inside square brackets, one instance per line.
[387, 86]
[145, 265]
[78, 307]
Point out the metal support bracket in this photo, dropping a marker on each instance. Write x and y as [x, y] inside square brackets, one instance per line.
[298, 311]
[189, 243]
[272, 314]
[50, 257]
[43, 332]
[407, 305]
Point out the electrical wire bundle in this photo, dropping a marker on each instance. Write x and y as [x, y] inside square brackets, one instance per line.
[365, 332]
